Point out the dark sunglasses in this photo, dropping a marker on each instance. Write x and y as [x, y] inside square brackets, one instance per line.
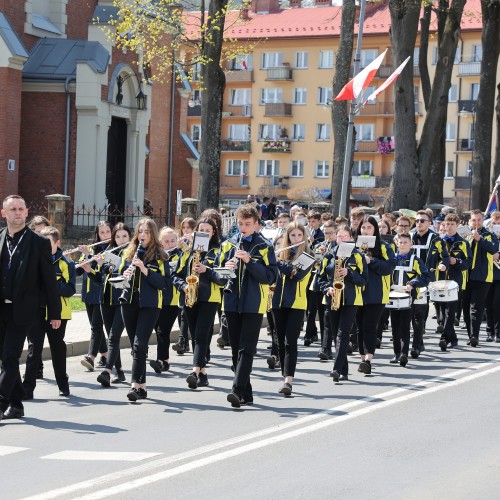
[422, 220]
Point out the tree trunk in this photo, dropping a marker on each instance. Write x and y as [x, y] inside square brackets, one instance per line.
[484, 107]
[438, 169]
[496, 167]
[339, 108]
[425, 79]
[214, 83]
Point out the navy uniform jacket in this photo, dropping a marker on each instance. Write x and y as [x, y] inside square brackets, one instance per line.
[482, 256]
[431, 250]
[459, 249]
[171, 295]
[91, 288]
[108, 294]
[314, 283]
[250, 288]
[380, 270]
[417, 275]
[354, 282]
[66, 281]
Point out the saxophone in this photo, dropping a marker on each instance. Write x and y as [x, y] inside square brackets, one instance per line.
[193, 282]
[338, 285]
[270, 296]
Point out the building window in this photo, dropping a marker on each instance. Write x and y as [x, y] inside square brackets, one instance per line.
[368, 56]
[451, 131]
[297, 168]
[300, 96]
[324, 95]
[452, 93]
[236, 167]
[242, 62]
[322, 168]
[416, 55]
[365, 132]
[271, 95]
[435, 56]
[268, 168]
[298, 132]
[301, 60]
[474, 91]
[241, 97]
[323, 132]
[196, 71]
[368, 92]
[362, 167]
[196, 136]
[448, 173]
[325, 59]
[477, 53]
[271, 60]
[239, 132]
[269, 132]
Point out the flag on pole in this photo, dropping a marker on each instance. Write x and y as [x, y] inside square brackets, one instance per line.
[353, 88]
[388, 82]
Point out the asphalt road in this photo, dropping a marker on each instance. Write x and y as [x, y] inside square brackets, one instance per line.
[425, 431]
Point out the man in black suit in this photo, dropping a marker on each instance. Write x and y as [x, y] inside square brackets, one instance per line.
[27, 282]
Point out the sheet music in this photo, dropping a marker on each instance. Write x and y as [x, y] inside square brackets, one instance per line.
[270, 233]
[225, 272]
[464, 231]
[201, 241]
[369, 241]
[303, 261]
[344, 250]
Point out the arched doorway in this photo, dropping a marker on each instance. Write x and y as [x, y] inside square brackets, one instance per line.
[116, 164]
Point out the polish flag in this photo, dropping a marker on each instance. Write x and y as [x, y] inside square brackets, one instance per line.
[353, 88]
[388, 82]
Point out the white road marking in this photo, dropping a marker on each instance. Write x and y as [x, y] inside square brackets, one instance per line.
[125, 456]
[9, 450]
[305, 424]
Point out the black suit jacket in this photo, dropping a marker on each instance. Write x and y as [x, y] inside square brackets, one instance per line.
[35, 282]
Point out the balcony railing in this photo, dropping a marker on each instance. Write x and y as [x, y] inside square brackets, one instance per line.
[365, 147]
[363, 181]
[243, 75]
[275, 181]
[278, 109]
[469, 66]
[462, 182]
[467, 106]
[234, 181]
[277, 146]
[235, 145]
[465, 145]
[239, 110]
[377, 108]
[280, 73]
[383, 72]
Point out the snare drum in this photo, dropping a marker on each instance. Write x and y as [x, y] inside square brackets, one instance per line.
[444, 291]
[399, 300]
[421, 296]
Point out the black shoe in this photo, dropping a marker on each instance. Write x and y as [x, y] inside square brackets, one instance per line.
[403, 360]
[271, 362]
[102, 362]
[221, 342]
[104, 378]
[379, 343]
[180, 349]
[286, 389]
[365, 367]
[156, 365]
[192, 380]
[489, 338]
[395, 359]
[456, 323]
[497, 338]
[415, 353]
[119, 377]
[135, 394]
[307, 341]
[335, 375]
[13, 412]
[454, 343]
[28, 395]
[314, 338]
[443, 344]
[343, 378]
[474, 342]
[234, 399]
[325, 355]
[64, 392]
[88, 363]
[39, 374]
[202, 380]
[439, 329]
[355, 347]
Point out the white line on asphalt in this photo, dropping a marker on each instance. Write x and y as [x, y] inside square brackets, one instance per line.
[130, 456]
[9, 450]
[144, 472]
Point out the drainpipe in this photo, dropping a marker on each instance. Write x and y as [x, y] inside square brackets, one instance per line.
[68, 116]
[171, 145]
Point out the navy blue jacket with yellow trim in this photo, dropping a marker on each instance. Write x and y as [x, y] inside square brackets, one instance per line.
[291, 287]
[482, 256]
[418, 276]
[109, 294]
[250, 288]
[148, 287]
[380, 271]
[66, 281]
[434, 255]
[459, 249]
[91, 288]
[210, 283]
[356, 279]
[317, 237]
[314, 282]
[171, 296]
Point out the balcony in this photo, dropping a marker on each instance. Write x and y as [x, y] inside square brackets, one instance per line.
[234, 181]
[277, 146]
[278, 109]
[465, 145]
[233, 145]
[469, 67]
[467, 106]
[276, 181]
[280, 73]
[244, 110]
[383, 72]
[363, 181]
[462, 182]
[377, 108]
[243, 75]
[365, 147]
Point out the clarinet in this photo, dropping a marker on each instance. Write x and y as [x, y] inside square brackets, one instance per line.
[229, 284]
[122, 281]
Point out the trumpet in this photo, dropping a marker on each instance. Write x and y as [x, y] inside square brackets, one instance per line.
[104, 254]
[77, 249]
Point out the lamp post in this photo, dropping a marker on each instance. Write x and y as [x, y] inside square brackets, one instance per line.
[472, 113]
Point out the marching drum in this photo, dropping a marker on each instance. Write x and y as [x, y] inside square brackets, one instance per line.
[421, 296]
[443, 291]
[399, 300]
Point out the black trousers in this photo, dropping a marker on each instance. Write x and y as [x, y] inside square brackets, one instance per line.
[58, 351]
[449, 315]
[200, 319]
[440, 312]
[327, 340]
[183, 328]
[400, 322]
[244, 329]
[223, 332]
[288, 326]
[418, 320]
[315, 305]
[97, 338]
[139, 322]
[367, 318]
[12, 339]
[113, 322]
[473, 300]
[384, 320]
[168, 315]
[493, 310]
[274, 335]
[341, 323]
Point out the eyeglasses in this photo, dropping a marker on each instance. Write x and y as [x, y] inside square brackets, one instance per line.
[403, 225]
[422, 220]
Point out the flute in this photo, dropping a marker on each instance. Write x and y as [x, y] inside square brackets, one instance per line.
[100, 254]
[77, 249]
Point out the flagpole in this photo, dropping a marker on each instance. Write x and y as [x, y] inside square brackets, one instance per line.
[352, 112]
[490, 201]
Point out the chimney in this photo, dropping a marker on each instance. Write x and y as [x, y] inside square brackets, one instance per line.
[266, 6]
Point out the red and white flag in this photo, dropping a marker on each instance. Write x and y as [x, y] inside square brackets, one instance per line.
[388, 82]
[353, 88]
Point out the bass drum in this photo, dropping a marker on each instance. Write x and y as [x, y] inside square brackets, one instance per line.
[399, 300]
[444, 291]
